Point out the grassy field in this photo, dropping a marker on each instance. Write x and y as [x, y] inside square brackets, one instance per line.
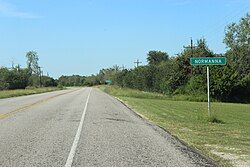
[227, 142]
[22, 92]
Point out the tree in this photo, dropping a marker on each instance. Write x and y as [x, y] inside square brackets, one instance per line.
[164, 75]
[48, 81]
[237, 39]
[74, 80]
[4, 73]
[238, 35]
[32, 62]
[15, 78]
[156, 57]
[108, 73]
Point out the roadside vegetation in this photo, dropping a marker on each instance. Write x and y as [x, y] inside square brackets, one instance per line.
[21, 78]
[175, 76]
[226, 141]
[17, 81]
[28, 91]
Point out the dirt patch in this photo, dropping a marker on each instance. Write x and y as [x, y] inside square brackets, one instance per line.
[237, 160]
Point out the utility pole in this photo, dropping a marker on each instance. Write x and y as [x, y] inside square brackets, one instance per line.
[40, 76]
[18, 67]
[12, 63]
[137, 63]
[191, 46]
[123, 67]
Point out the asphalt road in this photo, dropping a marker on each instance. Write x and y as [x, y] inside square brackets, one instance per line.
[84, 127]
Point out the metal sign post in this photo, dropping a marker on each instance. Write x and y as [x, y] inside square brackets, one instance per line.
[208, 93]
[195, 61]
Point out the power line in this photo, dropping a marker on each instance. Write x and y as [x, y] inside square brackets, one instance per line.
[225, 20]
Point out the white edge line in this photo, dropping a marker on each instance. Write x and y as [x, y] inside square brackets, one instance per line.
[78, 134]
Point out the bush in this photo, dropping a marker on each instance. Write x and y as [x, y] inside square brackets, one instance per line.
[15, 78]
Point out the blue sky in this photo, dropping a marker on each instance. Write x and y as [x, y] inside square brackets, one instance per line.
[83, 36]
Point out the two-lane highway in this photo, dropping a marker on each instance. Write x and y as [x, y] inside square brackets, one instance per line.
[83, 127]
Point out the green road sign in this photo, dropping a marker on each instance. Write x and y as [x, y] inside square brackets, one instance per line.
[208, 61]
[109, 82]
[195, 61]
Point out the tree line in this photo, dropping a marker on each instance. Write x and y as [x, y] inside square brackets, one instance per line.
[32, 76]
[174, 75]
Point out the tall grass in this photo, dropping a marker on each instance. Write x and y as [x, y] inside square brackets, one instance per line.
[126, 92]
[29, 91]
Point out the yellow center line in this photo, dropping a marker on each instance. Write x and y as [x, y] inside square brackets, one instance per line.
[13, 112]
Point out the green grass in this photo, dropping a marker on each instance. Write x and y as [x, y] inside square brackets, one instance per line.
[126, 92]
[227, 133]
[22, 92]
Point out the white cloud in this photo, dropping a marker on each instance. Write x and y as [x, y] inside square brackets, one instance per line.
[10, 10]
